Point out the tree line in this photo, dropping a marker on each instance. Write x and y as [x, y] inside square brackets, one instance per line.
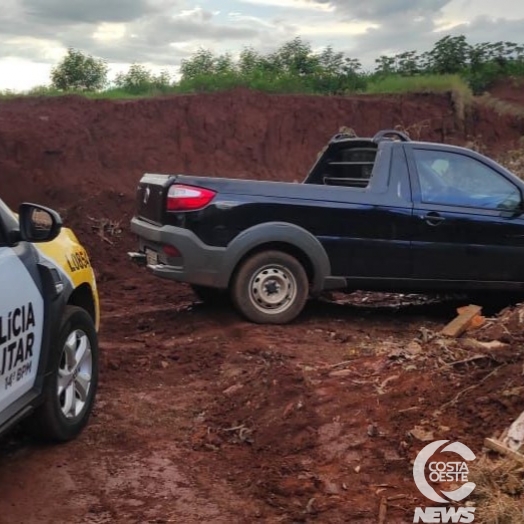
[296, 68]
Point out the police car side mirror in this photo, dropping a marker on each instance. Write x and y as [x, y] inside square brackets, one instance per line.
[38, 223]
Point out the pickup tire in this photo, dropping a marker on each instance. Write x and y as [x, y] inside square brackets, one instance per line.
[70, 388]
[270, 287]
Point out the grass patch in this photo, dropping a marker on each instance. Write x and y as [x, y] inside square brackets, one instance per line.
[461, 94]
[395, 84]
[278, 84]
[502, 107]
[499, 491]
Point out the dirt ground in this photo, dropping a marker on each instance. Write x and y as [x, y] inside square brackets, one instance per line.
[509, 91]
[203, 417]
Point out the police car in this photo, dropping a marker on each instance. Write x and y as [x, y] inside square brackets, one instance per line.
[49, 317]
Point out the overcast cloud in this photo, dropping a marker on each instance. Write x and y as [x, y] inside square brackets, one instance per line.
[35, 34]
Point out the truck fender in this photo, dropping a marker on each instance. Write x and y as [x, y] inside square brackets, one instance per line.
[270, 232]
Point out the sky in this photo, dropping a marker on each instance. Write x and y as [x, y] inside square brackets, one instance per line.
[35, 34]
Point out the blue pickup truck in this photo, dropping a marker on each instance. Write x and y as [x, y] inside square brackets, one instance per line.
[382, 213]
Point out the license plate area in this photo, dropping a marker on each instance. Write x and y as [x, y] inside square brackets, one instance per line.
[151, 257]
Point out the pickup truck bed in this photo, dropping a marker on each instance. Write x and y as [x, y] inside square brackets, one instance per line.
[381, 213]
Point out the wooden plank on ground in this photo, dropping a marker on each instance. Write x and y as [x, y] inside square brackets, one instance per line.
[382, 514]
[497, 446]
[461, 323]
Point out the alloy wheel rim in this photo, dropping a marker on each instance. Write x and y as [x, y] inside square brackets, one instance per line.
[75, 374]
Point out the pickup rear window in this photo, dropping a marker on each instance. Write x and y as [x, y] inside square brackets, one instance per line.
[347, 167]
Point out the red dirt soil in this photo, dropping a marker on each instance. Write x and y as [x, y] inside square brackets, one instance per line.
[201, 416]
[511, 90]
[65, 148]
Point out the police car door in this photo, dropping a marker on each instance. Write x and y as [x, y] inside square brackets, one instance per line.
[21, 325]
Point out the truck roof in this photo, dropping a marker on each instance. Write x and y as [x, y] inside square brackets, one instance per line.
[348, 136]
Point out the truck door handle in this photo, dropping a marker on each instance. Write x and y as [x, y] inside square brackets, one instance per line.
[433, 219]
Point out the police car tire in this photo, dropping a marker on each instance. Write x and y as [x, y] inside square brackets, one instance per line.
[48, 422]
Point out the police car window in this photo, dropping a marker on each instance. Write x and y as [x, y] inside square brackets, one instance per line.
[8, 222]
[457, 180]
[2, 230]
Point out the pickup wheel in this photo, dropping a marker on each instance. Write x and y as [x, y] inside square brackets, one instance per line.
[270, 288]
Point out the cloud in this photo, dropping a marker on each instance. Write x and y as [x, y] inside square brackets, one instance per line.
[117, 30]
[315, 5]
[382, 10]
[163, 32]
[485, 29]
[154, 38]
[405, 25]
[86, 11]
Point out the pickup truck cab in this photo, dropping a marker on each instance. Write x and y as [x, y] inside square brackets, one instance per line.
[49, 317]
[383, 213]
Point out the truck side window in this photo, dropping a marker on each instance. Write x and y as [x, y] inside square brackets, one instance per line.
[458, 180]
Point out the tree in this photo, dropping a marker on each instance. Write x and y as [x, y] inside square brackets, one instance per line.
[296, 57]
[79, 71]
[408, 63]
[331, 62]
[385, 65]
[450, 55]
[140, 80]
[249, 61]
[202, 63]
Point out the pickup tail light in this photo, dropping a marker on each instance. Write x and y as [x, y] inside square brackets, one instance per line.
[171, 251]
[188, 198]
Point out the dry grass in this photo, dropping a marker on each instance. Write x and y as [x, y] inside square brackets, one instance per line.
[499, 492]
[501, 107]
[514, 160]
[416, 130]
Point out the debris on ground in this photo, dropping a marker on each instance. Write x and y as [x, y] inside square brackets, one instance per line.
[514, 437]
[499, 447]
[468, 317]
[106, 228]
[511, 442]
[507, 326]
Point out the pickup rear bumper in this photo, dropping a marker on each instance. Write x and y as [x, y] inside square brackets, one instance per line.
[204, 265]
[198, 263]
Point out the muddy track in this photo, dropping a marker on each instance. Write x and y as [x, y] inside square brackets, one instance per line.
[201, 416]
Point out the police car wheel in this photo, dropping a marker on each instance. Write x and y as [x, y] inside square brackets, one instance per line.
[70, 390]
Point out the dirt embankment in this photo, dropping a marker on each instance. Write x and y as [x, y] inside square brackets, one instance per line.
[59, 149]
[511, 90]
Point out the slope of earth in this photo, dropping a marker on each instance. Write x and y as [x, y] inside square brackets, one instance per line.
[202, 417]
[509, 91]
[59, 149]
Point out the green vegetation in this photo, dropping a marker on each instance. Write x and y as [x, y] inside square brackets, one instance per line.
[140, 81]
[417, 84]
[452, 65]
[79, 72]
